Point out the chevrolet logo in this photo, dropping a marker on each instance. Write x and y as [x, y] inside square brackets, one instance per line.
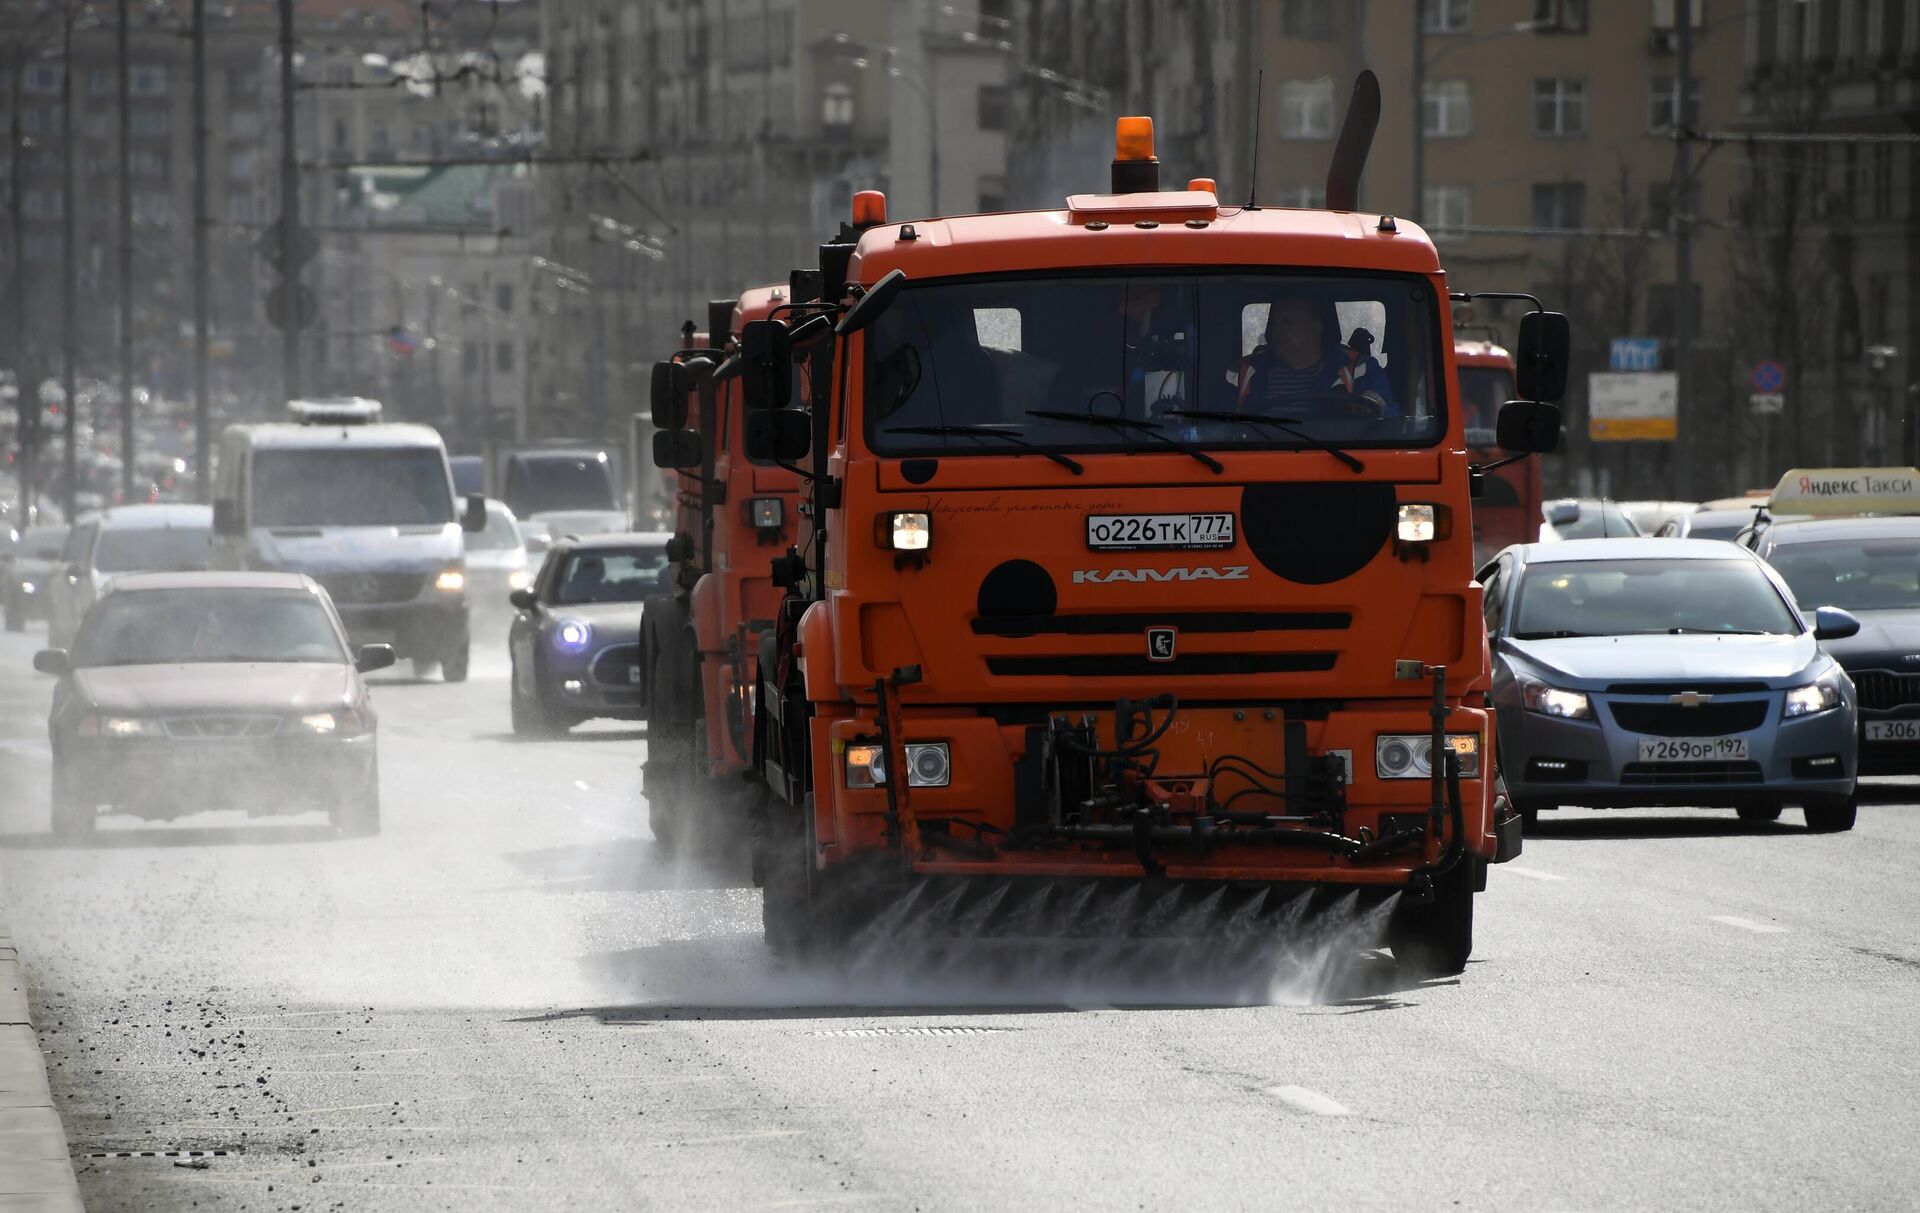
[1689, 699]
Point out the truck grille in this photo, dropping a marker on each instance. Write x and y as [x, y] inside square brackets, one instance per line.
[1115, 665]
[1690, 772]
[372, 587]
[1884, 689]
[1134, 623]
[1707, 720]
[617, 666]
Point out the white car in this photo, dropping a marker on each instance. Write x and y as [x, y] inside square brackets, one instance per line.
[125, 539]
[497, 561]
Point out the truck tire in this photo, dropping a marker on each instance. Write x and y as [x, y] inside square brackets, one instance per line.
[668, 780]
[453, 667]
[1833, 816]
[786, 907]
[1436, 939]
[71, 819]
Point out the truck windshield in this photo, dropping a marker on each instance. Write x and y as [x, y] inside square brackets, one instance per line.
[539, 483]
[352, 486]
[1483, 389]
[1233, 359]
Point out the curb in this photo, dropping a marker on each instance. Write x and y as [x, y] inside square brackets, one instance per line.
[36, 1172]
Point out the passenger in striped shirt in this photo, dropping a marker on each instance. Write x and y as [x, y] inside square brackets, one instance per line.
[1297, 369]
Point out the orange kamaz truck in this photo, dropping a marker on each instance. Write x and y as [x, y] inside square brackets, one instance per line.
[1506, 510]
[700, 646]
[1136, 556]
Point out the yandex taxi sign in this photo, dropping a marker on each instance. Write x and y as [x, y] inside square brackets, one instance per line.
[1841, 491]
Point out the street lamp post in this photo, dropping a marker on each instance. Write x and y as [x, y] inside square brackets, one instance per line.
[1417, 204]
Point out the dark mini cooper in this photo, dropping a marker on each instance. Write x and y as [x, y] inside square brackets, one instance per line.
[575, 641]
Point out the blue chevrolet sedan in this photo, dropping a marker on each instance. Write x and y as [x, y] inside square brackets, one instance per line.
[1646, 672]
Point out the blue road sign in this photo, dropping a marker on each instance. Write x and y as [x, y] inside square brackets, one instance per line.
[1635, 354]
[1769, 376]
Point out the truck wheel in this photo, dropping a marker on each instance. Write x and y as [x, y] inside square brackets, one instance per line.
[421, 668]
[1759, 812]
[1832, 817]
[667, 777]
[72, 819]
[453, 667]
[1436, 939]
[786, 908]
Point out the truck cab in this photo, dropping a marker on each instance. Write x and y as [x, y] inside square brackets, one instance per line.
[1141, 553]
[365, 508]
[1506, 510]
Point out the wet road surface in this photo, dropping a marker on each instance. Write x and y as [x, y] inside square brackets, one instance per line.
[509, 1000]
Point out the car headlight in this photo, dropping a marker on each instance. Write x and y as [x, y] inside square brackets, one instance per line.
[129, 726]
[929, 765]
[1410, 755]
[1552, 701]
[27, 587]
[1814, 697]
[451, 580]
[519, 579]
[572, 635]
[904, 530]
[341, 722]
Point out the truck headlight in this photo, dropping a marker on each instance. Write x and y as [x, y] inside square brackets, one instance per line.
[905, 530]
[1552, 701]
[451, 580]
[1410, 755]
[1422, 522]
[766, 513]
[1814, 697]
[929, 765]
[572, 635]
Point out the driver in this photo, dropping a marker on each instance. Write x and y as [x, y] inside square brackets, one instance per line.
[1298, 362]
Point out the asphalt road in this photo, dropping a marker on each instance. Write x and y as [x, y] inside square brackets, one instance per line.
[507, 1000]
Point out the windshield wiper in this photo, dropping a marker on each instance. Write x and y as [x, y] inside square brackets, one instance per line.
[1291, 427]
[1718, 632]
[1128, 423]
[1551, 635]
[986, 431]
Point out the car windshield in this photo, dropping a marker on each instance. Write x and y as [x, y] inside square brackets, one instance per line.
[1648, 597]
[1595, 520]
[153, 550]
[560, 482]
[352, 486]
[611, 575]
[1858, 574]
[501, 534]
[163, 627]
[1483, 389]
[1132, 362]
[42, 543]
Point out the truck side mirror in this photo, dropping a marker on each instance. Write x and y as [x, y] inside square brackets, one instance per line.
[473, 519]
[1546, 348]
[669, 400]
[676, 449]
[783, 436]
[766, 365]
[226, 517]
[1528, 426]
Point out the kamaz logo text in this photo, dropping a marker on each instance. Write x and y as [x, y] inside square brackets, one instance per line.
[1232, 572]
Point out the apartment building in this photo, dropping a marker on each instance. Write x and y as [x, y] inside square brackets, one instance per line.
[695, 147]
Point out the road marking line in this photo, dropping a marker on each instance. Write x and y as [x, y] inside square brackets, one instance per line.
[1748, 924]
[1530, 873]
[582, 785]
[761, 1135]
[1308, 1101]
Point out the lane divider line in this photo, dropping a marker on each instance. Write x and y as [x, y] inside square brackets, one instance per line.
[1748, 924]
[1309, 1101]
[1530, 873]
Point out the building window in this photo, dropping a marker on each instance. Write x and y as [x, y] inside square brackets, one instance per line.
[1446, 108]
[836, 106]
[149, 122]
[1661, 104]
[1560, 204]
[44, 204]
[1559, 107]
[1311, 19]
[1306, 109]
[240, 208]
[148, 81]
[152, 208]
[503, 297]
[100, 82]
[382, 141]
[1560, 16]
[1664, 13]
[503, 356]
[991, 107]
[1307, 197]
[339, 132]
[240, 165]
[1446, 16]
[147, 164]
[42, 78]
[1447, 209]
[469, 359]
[1880, 168]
